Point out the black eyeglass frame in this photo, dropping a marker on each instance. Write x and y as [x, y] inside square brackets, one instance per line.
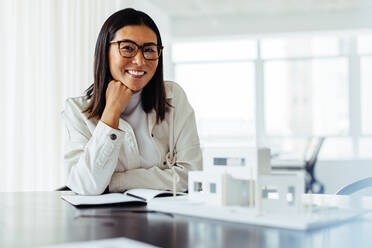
[160, 48]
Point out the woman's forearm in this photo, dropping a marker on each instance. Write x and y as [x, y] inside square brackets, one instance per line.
[91, 165]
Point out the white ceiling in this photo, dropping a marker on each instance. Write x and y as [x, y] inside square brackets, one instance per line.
[215, 8]
[196, 18]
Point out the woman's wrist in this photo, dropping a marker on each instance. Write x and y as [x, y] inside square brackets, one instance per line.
[110, 118]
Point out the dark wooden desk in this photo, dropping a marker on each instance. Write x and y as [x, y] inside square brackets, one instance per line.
[31, 219]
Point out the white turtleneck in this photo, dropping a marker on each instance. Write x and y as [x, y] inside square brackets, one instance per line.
[137, 118]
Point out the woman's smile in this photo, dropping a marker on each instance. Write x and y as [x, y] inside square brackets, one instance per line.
[136, 74]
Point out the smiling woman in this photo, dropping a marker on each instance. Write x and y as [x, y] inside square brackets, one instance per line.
[131, 129]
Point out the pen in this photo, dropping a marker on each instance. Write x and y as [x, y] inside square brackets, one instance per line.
[136, 196]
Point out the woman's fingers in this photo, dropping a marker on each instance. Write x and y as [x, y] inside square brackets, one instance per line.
[117, 96]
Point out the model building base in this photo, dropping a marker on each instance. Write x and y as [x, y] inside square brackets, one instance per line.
[310, 217]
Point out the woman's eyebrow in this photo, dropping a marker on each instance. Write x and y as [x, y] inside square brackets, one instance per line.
[130, 41]
[149, 43]
[126, 40]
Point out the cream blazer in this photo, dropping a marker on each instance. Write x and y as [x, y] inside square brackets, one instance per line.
[97, 156]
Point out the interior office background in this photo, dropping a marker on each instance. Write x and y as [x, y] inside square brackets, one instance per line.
[266, 73]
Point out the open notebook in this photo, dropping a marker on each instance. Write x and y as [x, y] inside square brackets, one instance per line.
[132, 195]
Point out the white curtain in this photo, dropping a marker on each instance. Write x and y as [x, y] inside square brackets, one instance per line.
[46, 55]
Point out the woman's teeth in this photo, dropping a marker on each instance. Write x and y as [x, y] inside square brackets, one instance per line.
[136, 73]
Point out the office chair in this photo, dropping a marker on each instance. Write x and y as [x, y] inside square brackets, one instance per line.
[355, 186]
[312, 184]
[63, 188]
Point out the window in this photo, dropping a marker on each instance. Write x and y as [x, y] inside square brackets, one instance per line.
[300, 47]
[366, 94]
[220, 161]
[297, 97]
[364, 44]
[337, 148]
[270, 192]
[291, 197]
[224, 96]
[293, 87]
[234, 161]
[214, 50]
[212, 188]
[299, 83]
[197, 186]
[218, 77]
[365, 147]
[365, 51]
[244, 188]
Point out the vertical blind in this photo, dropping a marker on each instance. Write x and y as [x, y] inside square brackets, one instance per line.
[46, 55]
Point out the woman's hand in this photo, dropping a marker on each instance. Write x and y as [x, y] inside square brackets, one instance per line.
[117, 98]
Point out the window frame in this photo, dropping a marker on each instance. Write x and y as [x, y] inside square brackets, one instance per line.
[348, 51]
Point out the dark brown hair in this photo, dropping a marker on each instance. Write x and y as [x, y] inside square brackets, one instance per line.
[152, 95]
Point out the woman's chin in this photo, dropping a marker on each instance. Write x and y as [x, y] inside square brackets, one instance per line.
[131, 85]
[135, 88]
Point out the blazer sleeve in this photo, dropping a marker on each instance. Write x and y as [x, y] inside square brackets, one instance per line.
[89, 158]
[188, 155]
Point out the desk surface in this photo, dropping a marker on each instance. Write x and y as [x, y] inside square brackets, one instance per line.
[30, 219]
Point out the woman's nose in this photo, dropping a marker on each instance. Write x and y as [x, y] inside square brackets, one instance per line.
[139, 59]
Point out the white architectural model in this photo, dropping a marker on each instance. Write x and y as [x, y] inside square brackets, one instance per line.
[237, 185]
[242, 177]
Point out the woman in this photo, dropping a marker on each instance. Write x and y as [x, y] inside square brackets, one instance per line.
[132, 129]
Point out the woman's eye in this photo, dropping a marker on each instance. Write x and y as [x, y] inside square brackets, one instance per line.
[127, 48]
[149, 50]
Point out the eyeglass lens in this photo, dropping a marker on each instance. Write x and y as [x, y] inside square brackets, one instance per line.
[129, 50]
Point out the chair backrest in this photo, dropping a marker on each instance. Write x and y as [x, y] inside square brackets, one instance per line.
[63, 188]
[311, 158]
[355, 186]
[312, 149]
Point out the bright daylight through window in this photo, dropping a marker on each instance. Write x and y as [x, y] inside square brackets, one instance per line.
[306, 92]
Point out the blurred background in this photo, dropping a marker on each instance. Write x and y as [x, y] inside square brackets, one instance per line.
[274, 73]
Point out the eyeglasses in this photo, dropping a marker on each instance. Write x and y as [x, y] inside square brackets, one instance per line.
[129, 49]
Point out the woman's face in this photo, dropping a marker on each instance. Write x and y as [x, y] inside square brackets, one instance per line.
[134, 72]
